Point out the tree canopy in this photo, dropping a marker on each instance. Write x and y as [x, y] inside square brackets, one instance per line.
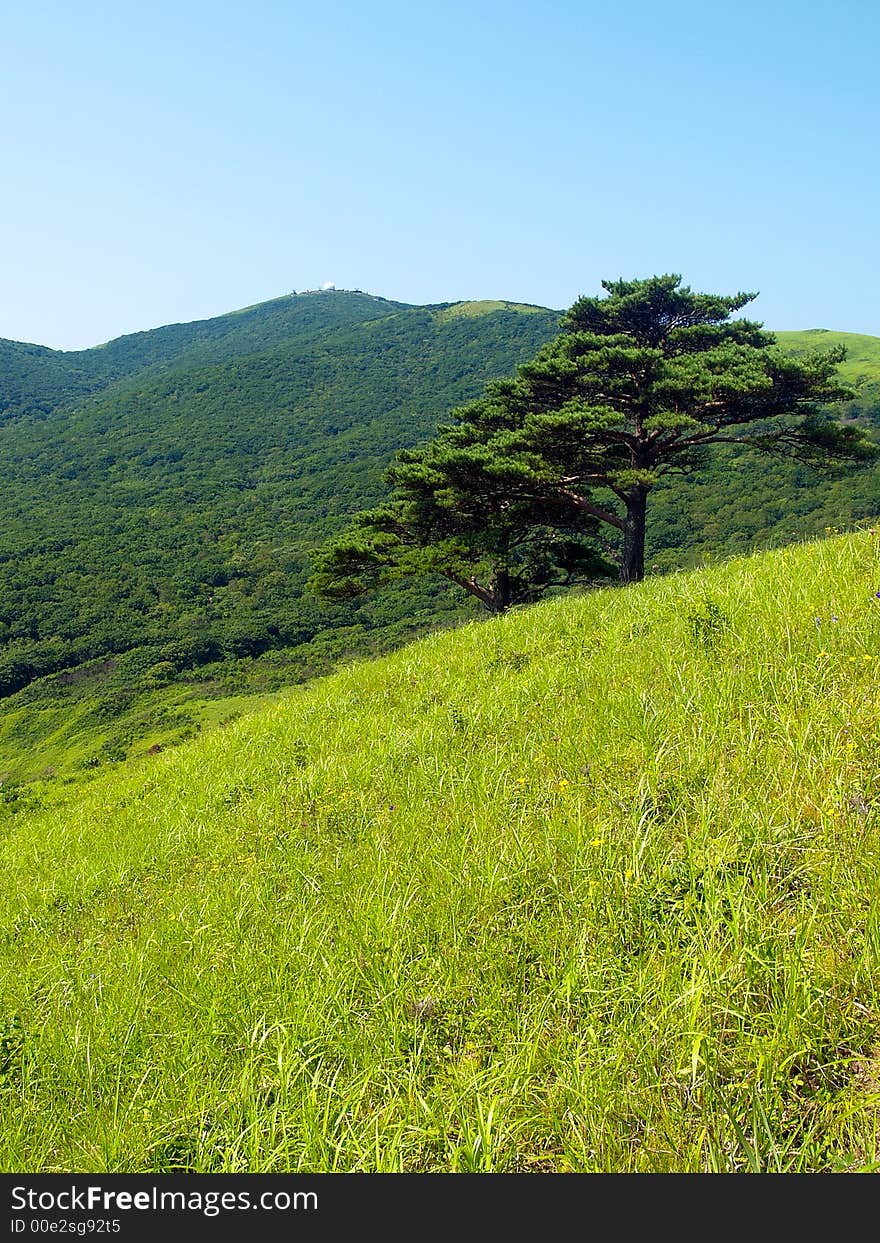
[508, 499]
[501, 550]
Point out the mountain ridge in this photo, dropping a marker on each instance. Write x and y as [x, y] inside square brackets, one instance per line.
[82, 373]
[467, 306]
[308, 397]
[48, 378]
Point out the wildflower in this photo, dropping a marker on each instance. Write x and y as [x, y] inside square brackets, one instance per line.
[596, 841]
[563, 785]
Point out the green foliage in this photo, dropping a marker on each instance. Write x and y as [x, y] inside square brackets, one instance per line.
[174, 511]
[639, 384]
[499, 551]
[707, 622]
[12, 1042]
[566, 890]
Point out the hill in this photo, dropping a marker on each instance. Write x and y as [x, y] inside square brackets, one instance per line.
[163, 492]
[36, 381]
[589, 887]
[173, 510]
[862, 365]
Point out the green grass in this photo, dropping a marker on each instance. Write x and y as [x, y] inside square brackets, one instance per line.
[68, 735]
[862, 364]
[486, 306]
[106, 712]
[591, 887]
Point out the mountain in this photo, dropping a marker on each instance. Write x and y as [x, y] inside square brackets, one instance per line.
[35, 380]
[162, 494]
[590, 887]
[173, 508]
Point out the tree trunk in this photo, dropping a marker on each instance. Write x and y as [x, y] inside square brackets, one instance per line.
[501, 591]
[632, 564]
[495, 596]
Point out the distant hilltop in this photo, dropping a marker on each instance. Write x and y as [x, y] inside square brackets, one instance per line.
[328, 287]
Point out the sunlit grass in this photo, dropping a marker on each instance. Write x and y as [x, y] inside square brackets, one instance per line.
[592, 887]
[862, 362]
[471, 310]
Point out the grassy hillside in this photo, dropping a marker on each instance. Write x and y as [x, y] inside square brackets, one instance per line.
[471, 310]
[590, 887]
[862, 365]
[162, 495]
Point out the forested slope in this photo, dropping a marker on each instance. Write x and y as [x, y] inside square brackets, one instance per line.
[36, 381]
[175, 509]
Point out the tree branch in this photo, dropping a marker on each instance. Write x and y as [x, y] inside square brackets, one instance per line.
[581, 502]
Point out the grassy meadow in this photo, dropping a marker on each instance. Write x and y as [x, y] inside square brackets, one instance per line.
[590, 887]
[862, 362]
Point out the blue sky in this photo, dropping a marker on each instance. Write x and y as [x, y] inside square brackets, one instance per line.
[165, 162]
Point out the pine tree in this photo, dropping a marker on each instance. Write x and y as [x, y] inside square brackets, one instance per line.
[500, 550]
[639, 384]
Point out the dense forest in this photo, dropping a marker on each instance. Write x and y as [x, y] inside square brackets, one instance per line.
[162, 494]
[174, 509]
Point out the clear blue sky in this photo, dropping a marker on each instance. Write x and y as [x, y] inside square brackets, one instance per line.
[171, 161]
